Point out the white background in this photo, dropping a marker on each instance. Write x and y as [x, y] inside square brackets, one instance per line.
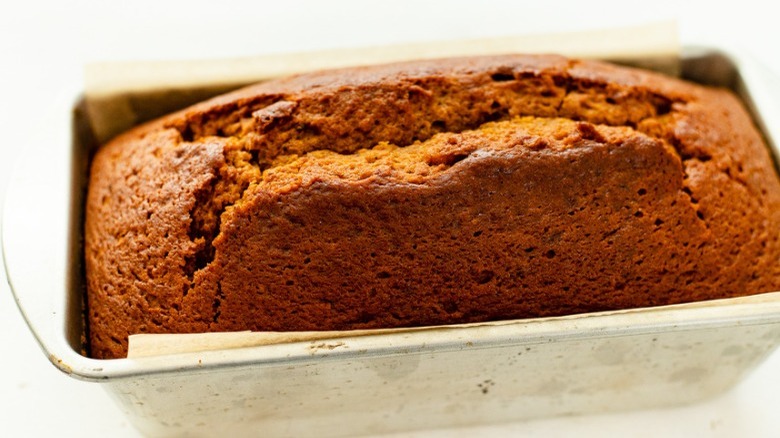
[44, 45]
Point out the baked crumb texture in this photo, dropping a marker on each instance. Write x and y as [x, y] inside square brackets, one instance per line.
[430, 192]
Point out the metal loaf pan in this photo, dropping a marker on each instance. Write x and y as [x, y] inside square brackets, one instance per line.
[447, 377]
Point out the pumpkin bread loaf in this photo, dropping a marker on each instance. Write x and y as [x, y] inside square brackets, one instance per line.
[429, 192]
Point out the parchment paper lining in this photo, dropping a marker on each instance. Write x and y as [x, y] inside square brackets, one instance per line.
[121, 95]
[145, 345]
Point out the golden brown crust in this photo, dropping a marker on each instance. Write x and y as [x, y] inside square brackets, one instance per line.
[429, 192]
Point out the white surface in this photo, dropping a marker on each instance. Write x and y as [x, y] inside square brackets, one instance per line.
[43, 46]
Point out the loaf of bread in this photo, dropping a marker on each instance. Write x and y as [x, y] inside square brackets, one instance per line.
[429, 192]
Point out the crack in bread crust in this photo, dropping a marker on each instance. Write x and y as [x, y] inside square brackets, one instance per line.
[274, 129]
